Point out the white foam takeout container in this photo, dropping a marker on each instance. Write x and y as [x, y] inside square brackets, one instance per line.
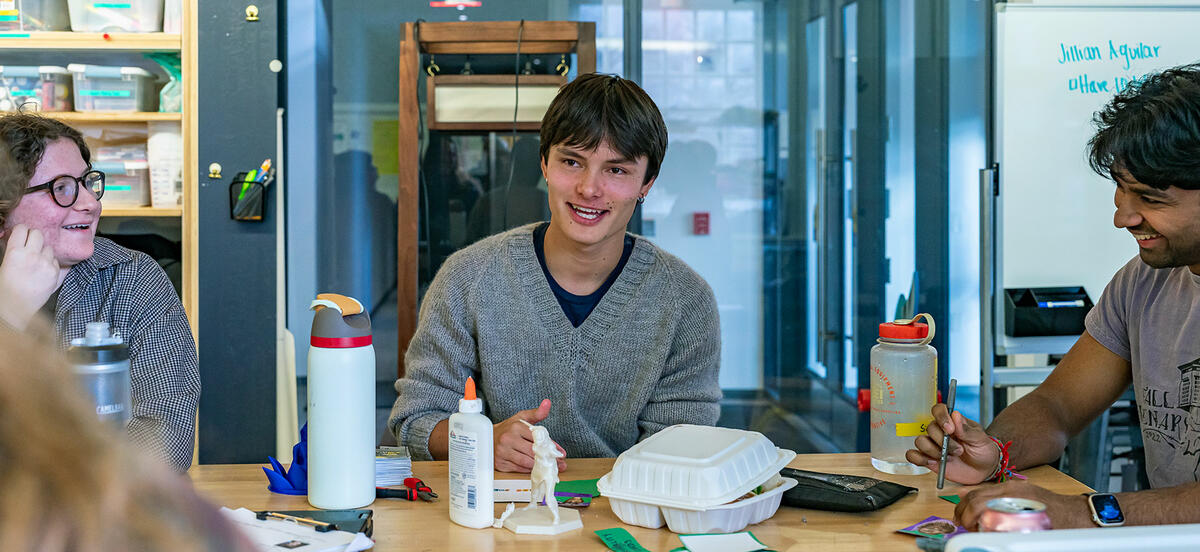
[686, 477]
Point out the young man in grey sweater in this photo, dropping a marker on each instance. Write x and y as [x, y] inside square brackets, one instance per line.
[574, 324]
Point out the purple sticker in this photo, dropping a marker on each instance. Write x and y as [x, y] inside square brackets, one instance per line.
[935, 527]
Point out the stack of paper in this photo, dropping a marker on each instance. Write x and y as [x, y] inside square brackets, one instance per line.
[392, 466]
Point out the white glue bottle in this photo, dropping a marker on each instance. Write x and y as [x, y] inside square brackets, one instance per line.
[471, 469]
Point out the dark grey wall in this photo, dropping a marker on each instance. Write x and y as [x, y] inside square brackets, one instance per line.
[238, 96]
[932, 171]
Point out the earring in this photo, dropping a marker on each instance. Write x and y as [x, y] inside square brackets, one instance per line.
[641, 199]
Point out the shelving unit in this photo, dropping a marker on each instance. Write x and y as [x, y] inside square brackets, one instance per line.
[183, 43]
[134, 42]
[124, 117]
[141, 212]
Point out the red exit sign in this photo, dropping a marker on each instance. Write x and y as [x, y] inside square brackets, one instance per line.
[700, 224]
[453, 4]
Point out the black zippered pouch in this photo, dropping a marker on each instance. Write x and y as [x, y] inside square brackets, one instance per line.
[840, 493]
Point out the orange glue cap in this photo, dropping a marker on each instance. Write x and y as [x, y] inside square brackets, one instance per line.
[470, 389]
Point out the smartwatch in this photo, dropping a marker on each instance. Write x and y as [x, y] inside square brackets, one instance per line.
[1106, 512]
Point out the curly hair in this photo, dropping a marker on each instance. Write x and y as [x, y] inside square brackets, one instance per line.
[23, 140]
[1151, 130]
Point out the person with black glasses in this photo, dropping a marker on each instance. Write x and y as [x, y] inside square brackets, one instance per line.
[52, 264]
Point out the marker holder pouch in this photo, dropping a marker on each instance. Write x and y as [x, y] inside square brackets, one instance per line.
[248, 198]
[841, 493]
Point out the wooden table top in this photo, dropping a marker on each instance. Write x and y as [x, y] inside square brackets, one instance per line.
[406, 526]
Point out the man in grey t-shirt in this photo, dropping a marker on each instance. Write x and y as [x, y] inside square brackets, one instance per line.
[1150, 317]
[1144, 330]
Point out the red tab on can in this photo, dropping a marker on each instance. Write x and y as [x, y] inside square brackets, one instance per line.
[340, 342]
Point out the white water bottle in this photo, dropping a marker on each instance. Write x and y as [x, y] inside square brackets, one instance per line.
[341, 405]
[471, 469]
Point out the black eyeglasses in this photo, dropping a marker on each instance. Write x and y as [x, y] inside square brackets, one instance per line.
[65, 189]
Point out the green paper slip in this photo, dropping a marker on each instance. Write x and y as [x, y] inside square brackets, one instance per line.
[578, 486]
[619, 540]
[953, 499]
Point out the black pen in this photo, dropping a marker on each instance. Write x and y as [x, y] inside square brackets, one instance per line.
[946, 436]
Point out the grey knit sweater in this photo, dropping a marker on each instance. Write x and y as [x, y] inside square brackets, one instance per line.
[646, 358]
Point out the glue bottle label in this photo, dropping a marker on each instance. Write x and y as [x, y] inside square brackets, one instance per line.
[464, 447]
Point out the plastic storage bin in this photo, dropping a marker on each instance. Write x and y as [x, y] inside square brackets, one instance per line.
[106, 88]
[34, 15]
[1045, 311]
[688, 476]
[131, 16]
[48, 87]
[126, 183]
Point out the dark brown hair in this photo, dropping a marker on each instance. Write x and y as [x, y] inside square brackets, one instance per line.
[23, 140]
[1151, 130]
[597, 108]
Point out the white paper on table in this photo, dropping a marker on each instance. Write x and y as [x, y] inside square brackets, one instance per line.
[731, 542]
[511, 490]
[266, 534]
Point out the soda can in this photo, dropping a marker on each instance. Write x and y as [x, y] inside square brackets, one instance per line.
[1014, 515]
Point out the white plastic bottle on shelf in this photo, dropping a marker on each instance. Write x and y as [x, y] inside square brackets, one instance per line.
[164, 151]
[471, 463]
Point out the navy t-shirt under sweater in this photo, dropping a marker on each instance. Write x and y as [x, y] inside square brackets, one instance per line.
[577, 307]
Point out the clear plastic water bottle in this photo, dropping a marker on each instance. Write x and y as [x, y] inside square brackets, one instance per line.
[101, 362]
[903, 391]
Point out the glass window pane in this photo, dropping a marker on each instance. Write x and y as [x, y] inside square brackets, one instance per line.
[681, 25]
[849, 125]
[815, 143]
[900, 150]
[742, 25]
[710, 24]
[714, 165]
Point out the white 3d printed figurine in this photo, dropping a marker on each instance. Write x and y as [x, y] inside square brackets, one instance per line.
[545, 470]
[536, 519]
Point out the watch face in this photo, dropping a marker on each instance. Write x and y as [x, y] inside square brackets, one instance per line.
[1107, 509]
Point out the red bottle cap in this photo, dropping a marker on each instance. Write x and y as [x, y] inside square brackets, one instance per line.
[891, 330]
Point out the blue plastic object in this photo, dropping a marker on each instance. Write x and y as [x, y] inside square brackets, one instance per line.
[293, 481]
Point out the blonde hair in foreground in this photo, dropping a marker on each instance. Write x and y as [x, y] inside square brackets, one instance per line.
[69, 482]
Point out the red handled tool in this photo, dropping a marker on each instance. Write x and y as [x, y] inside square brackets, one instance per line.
[415, 489]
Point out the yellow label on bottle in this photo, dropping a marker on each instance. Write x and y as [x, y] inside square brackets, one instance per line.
[912, 429]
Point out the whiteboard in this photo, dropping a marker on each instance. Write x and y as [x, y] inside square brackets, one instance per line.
[1056, 65]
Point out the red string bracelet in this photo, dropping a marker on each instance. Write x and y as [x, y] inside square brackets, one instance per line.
[1004, 472]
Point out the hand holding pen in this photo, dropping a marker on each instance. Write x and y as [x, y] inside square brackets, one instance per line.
[946, 436]
[971, 456]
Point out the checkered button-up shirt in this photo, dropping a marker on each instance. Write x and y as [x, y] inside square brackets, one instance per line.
[131, 292]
